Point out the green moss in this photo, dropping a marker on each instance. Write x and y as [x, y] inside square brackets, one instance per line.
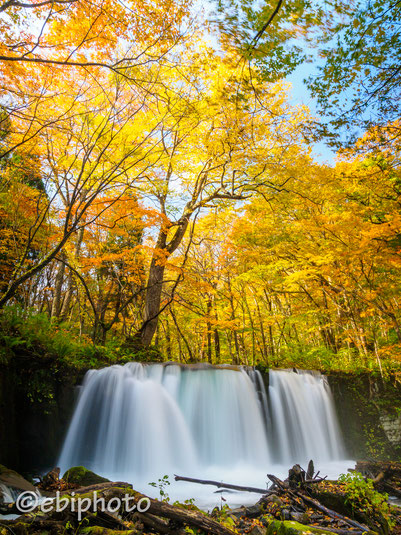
[70, 494]
[83, 477]
[361, 401]
[59, 348]
[289, 527]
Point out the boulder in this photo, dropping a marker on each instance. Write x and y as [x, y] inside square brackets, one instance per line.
[81, 476]
[12, 479]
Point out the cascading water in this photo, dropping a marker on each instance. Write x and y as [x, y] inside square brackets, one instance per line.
[304, 423]
[138, 422]
[144, 419]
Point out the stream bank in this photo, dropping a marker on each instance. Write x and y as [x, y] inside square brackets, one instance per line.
[303, 503]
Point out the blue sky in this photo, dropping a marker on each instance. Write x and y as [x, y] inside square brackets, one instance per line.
[301, 95]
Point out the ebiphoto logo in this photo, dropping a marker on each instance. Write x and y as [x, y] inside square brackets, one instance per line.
[28, 501]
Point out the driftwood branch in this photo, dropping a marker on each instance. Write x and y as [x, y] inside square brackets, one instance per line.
[386, 475]
[222, 485]
[317, 505]
[158, 525]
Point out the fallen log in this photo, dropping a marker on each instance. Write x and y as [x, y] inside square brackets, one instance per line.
[177, 515]
[222, 485]
[331, 513]
[378, 478]
[187, 516]
[99, 486]
[104, 519]
[317, 505]
[156, 509]
[159, 525]
[373, 468]
[390, 489]
[386, 475]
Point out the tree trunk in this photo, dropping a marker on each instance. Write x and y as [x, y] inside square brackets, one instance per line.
[156, 277]
[168, 340]
[154, 292]
[209, 329]
[187, 345]
[56, 305]
[70, 280]
[236, 357]
[217, 345]
[262, 333]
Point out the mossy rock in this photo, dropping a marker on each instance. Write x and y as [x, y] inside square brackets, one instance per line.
[81, 476]
[289, 527]
[13, 479]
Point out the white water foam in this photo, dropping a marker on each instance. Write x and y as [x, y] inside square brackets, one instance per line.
[139, 422]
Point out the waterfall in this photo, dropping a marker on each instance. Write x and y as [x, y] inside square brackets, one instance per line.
[8, 494]
[140, 421]
[145, 419]
[304, 423]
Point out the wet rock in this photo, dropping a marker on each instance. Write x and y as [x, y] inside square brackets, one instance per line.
[285, 514]
[237, 513]
[253, 511]
[302, 518]
[81, 476]
[12, 479]
[273, 499]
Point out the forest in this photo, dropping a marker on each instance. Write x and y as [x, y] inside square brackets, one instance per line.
[161, 194]
[200, 267]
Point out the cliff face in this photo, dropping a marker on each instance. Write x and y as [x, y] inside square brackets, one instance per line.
[36, 402]
[369, 411]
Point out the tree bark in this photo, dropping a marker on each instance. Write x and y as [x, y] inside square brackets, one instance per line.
[187, 345]
[153, 294]
[70, 284]
[56, 305]
[209, 329]
[156, 278]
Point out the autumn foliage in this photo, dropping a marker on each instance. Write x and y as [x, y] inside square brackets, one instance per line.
[158, 188]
